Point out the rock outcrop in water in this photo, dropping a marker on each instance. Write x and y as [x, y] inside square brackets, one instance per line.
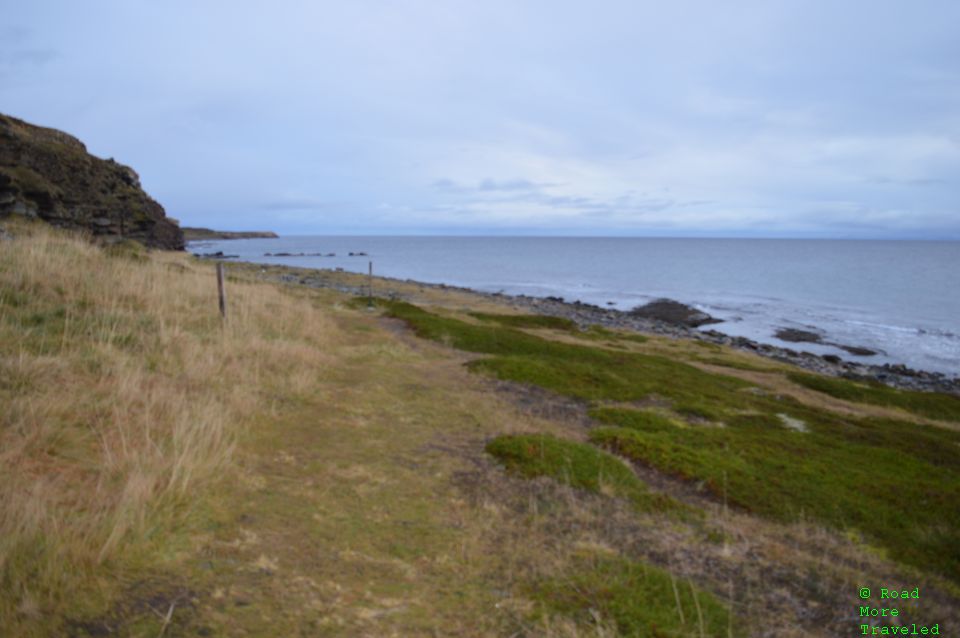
[673, 312]
[796, 335]
[48, 174]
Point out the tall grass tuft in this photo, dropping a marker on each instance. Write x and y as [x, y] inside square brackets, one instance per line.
[121, 395]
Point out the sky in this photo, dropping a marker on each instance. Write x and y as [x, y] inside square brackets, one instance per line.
[768, 118]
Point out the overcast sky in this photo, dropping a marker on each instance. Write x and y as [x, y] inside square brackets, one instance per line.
[803, 118]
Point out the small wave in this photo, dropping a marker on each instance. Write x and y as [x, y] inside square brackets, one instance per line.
[926, 332]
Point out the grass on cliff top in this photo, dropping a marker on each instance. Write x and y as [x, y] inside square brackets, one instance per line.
[896, 483]
[628, 598]
[579, 465]
[933, 405]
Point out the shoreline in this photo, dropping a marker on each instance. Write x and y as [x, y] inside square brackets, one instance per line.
[584, 315]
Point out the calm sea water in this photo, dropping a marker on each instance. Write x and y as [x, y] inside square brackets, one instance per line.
[899, 297]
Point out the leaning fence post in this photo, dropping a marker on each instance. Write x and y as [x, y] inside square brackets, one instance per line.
[370, 285]
[221, 293]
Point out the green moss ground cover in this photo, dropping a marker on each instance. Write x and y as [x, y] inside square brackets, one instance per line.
[579, 465]
[897, 483]
[933, 405]
[592, 333]
[527, 321]
[639, 599]
[578, 371]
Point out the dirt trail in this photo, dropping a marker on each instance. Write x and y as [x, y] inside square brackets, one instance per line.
[344, 518]
[363, 505]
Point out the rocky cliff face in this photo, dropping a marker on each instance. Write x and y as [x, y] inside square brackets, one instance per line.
[48, 174]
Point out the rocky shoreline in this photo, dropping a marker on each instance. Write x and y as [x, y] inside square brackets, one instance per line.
[585, 315]
[895, 375]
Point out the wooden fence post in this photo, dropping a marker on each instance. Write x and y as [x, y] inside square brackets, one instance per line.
[221, 293]
[370, 285]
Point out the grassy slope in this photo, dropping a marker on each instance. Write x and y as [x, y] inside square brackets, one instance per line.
[895, 482]
[122, 395]
[305, 471]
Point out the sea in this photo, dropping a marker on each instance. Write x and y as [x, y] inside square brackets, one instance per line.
[898, 298]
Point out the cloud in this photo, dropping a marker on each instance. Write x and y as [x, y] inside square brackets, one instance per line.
[18, 53]
[490, 185]
[300, 204]
[626, 117]
[511, 185]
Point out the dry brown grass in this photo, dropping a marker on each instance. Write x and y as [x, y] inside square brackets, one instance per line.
[121, 395]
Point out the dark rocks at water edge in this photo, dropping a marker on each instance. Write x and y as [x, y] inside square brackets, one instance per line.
[313, 255]
[49, 175]
[217, 255]
[299, 255]
[673, 312]
[795, 335]
[859, 351]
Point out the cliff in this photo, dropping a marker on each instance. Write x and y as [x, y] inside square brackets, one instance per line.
[48, 174]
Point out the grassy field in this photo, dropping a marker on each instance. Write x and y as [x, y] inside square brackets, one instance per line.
[315, 467]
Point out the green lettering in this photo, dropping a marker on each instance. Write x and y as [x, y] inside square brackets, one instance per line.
[865, 611]
[884, 593]
[915, 593]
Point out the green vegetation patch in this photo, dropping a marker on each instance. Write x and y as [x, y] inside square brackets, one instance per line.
[578, 371]
[527, 321]
[636, 419]
[598, 333]
[592, 333]
[639, 599]
[896, 483]
[29, 181]
[735, 364]
[576, 464]
[933, 405]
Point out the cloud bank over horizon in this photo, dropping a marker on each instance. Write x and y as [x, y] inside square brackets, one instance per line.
[783, 118]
